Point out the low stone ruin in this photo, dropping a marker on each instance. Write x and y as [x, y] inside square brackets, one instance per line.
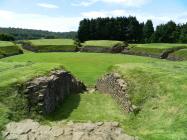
[44, 94]
[117, 87]
[30, 130]
[118, 48]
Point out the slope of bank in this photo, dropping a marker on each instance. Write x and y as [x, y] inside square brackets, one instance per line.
[9, 49]
[158, 90]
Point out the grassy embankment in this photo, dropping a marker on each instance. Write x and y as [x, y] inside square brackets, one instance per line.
[158, 87]
[87, 67]
[181, 54]
[155, 49]
[12, 75]
[53, 45]
[8, 49]
[100, 43]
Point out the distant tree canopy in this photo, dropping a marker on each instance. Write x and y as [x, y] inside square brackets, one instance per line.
[129, 29]
[148, 31]
[120, 28]
[25, 34]
[6, 37]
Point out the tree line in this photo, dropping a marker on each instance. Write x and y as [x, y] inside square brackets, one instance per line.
[129, 29]
[26, 34]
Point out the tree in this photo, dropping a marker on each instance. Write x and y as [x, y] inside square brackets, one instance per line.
[166, 33]
[183, 34]
[6, 37]
[148, 31]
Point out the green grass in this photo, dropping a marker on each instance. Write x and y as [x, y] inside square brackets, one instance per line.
[87, 67]
[6, 43]
[47, 45]
[156, 86]
[153, 48]
[88, 107]
[12, 75]
[100, 43]
[8, 49]
[159, 89]
[182, 54]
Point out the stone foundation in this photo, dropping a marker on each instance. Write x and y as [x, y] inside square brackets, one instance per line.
[44, 94]
[31, 130]
[118, 48]
[117, 87]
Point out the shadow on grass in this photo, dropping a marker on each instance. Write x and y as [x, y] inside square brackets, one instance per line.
[65, 109]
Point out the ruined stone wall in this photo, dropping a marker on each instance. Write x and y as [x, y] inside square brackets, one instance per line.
[118, 48]
[95, 49]
[44, 94]
[117, 87]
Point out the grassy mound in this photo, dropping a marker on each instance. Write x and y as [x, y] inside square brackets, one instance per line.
[8, 49]
[53, 45]
[87, 67]
[154, 49]
[88, 107]
[100, 43]
[159, 90]
[157, 87]
[181, 54]
[12, 105]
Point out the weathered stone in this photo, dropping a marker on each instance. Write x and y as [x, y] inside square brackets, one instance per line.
[56, 131]
[78, 135]
[99, 123]
[62, 131]
[117, 87]
[48, 92]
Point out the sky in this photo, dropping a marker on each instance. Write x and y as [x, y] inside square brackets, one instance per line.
[65, 15]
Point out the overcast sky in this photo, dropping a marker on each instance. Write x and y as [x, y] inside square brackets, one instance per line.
[64, 15]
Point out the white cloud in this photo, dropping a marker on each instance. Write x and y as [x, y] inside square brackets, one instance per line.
[37, 21]
[63, 24]
[84, 3]
[131, 3]
[142, 17]
[113, 13]
[47, 5]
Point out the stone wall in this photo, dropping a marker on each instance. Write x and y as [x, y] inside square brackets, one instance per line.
[44, 94]
[31, 130]
[140, 53]
[117, 87]
[118, 48]
[93, 49]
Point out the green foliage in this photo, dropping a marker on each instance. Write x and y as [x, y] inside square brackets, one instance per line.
[26, 34]
[148, 31]
[183, 34]
[129, 29]
[6, 37]
[166, 33]
[120, 28]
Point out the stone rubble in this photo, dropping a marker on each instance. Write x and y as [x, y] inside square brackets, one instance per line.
[31, 130]
[113, 84]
